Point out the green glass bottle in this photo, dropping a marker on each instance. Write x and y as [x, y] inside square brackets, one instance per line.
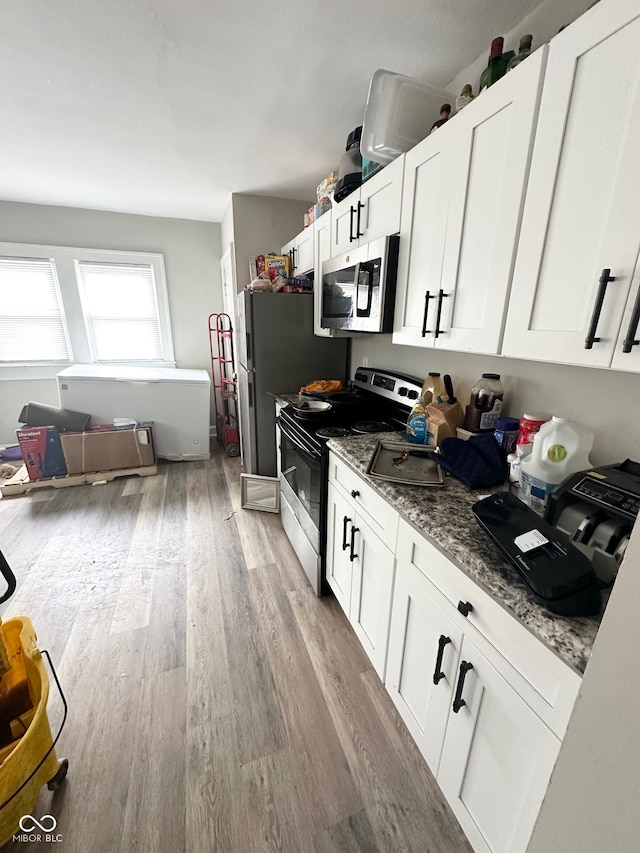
[498, 62]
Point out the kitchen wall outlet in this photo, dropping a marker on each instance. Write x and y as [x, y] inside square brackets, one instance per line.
[365, 361]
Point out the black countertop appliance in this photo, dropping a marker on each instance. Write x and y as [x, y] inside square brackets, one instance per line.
[597, 510]
[557, 573]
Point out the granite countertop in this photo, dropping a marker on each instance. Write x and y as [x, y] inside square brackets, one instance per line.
[445, 516]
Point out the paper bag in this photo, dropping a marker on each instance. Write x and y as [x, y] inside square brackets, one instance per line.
[443, 420]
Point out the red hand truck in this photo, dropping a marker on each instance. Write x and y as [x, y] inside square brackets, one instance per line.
[224, 383]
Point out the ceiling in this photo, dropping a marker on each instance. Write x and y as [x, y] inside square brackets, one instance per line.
[165, 108]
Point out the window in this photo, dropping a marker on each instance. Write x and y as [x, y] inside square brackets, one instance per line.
[32, 326]
[59, 305]
[120, 310]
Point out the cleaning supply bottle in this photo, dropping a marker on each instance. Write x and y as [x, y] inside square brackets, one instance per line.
[417, 423]
[560, 448]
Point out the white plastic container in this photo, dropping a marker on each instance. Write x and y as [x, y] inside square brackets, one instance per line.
[399, 113]
[560, 448]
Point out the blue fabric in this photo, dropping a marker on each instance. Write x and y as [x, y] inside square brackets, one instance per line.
[477, 463]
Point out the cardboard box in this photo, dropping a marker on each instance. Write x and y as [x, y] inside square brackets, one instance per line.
[272, 265]
[105, 449]
[325, 188]
[42, 452]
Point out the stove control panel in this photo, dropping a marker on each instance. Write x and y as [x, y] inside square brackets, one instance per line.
[396, 387]
[381, 381]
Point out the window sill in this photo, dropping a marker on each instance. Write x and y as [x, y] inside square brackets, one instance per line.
[35, 372]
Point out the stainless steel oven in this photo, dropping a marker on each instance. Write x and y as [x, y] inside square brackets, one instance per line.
[303, 474]
[380, 401]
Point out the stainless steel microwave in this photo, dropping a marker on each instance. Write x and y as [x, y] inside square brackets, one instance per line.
[359, 288]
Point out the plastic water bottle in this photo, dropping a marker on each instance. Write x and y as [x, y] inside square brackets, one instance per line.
[560, 448]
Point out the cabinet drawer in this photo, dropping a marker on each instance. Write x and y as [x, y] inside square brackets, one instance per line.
[546, 683]
[381, 517]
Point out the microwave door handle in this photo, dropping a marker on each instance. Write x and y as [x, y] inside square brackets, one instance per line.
[367, 311]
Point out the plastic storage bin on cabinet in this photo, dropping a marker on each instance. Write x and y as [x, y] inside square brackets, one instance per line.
[399, 113]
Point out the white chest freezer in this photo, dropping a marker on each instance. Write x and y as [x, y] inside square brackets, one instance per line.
[176, 400]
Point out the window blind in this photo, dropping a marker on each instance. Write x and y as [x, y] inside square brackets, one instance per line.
[32, 327]
[121, 311]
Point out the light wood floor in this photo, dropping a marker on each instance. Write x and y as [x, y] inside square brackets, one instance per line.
[216, 705]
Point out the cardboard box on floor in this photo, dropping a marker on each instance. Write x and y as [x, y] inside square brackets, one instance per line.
[41, 451]
[104, 448]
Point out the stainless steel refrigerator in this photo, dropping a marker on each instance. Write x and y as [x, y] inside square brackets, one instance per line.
[277, 353]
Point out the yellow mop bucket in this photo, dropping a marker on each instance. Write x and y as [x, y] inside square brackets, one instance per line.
[27, 751]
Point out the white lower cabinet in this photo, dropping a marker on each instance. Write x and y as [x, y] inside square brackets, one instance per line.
[424, 648]
[497, 755]
[485, 701]
[360, 572]
[469, 709]
[340, 519]
[492, 756]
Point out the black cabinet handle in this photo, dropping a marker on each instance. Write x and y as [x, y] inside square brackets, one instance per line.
[438, 674]
[459, 702]
[293, 260]
[359, 233]
[465, 607]
[9, 577]
[630, 338]
[605, 278]
[355, 494]
[352, 213]
[345, 544]
[353, 556]
[441, 295]
[427, 297]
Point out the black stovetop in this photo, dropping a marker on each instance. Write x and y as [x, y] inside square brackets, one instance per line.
[355, 418]
[377, 401]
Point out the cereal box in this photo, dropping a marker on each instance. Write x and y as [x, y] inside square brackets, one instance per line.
[276, 265]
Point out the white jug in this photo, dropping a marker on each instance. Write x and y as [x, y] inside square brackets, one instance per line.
[560, 448]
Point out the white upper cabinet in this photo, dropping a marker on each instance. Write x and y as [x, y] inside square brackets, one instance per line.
[300, 251]
[371, 212]
[462, 198]
[582, 207]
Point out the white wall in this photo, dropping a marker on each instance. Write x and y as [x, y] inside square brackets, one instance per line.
[543, 23]
[592, 802]
[605, 401]
[192, 262]
[259, 225]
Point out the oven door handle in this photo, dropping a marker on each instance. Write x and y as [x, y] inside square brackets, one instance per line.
[308, 451]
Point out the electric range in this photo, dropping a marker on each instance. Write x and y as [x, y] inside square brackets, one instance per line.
[377, 401]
